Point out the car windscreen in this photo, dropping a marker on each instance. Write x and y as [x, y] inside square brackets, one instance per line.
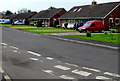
[87, 24]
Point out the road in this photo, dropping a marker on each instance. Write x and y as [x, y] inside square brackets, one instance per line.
[32, 56]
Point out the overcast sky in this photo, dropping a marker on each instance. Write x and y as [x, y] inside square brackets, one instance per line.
[38, 5]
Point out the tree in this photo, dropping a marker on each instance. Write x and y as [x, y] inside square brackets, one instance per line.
[8, 12]
[3, 12]
[51, 8]
[23, 10]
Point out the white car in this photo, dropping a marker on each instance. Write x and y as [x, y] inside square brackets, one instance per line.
[5, 21]
[19, 22]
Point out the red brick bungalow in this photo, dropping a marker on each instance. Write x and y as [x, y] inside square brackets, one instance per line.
[109, 13]
[25, 17]
[49, 17]
[11, 17]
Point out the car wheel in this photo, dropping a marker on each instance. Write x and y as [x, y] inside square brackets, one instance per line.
[80, 31]
[100, 30]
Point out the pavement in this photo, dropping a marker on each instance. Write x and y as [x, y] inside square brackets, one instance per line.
[36, 56]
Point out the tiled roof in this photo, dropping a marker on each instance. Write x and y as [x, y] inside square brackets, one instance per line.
[47, 13]
[25, 15]
[98, 10]
[12, 16]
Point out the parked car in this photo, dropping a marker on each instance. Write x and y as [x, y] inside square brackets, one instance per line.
[5, 21]
[92, 26]
[20, 22]
[76, 25]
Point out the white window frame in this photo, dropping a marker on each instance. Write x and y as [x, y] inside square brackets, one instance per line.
[79, 9]
[75, 10]
[118, 22]
[110, 19]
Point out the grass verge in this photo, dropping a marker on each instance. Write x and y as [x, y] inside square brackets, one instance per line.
[46, 30]
[99, 37]
[9, 25]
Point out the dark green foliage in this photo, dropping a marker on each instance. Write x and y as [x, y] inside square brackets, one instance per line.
[6, 13]
[39, 23]
[114, 27]
[113, 31]
[58, 26]
[105, 33]
[51, 8]
[66, 24]
[88, 34]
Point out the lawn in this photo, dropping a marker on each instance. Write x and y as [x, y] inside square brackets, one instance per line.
[9, 25]
[46, 30]
[99, 37]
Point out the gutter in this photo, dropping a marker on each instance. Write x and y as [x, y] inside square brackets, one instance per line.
[40, 18]
[83, 18]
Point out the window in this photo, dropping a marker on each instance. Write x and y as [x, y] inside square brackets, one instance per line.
[117, 21]
[87, 24]
[75, 10]
[71, 21]
[110, 20]
[79, 9]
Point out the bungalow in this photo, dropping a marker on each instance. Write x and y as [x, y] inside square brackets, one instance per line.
[11, 17]
[24, 17]
[49, 17]
[109, 13]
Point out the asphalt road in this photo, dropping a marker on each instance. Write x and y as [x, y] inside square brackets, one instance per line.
[33, 56]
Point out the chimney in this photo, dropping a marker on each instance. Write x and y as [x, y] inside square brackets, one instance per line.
[94, 2]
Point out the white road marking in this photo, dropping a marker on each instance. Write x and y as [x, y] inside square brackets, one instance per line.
[49, 72]
[13, 47]
[112, 74]
[33, 53]
[82, 73]
[49, 58]
[1, 70]
[4, 44]
[7, 78]
[58, 61]
[15, 51]
[35, 59]
[62, 67]
[72, 64]
[102, 77]
[66, 77]
[91, 69]
[41, 60]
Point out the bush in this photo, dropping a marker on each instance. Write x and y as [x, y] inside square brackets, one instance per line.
[113, 31]
[88, 34]
[32, 23]
[114, 27]
[39, 23]
[66, 24]
[58, 26]
[105, 33]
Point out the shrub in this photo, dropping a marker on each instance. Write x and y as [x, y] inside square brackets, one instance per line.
[39, 23]
[113, 31]
[105, 33]
[58, 26]
[32, 23]
[66, 24]
[114, 27]
[88, 34]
